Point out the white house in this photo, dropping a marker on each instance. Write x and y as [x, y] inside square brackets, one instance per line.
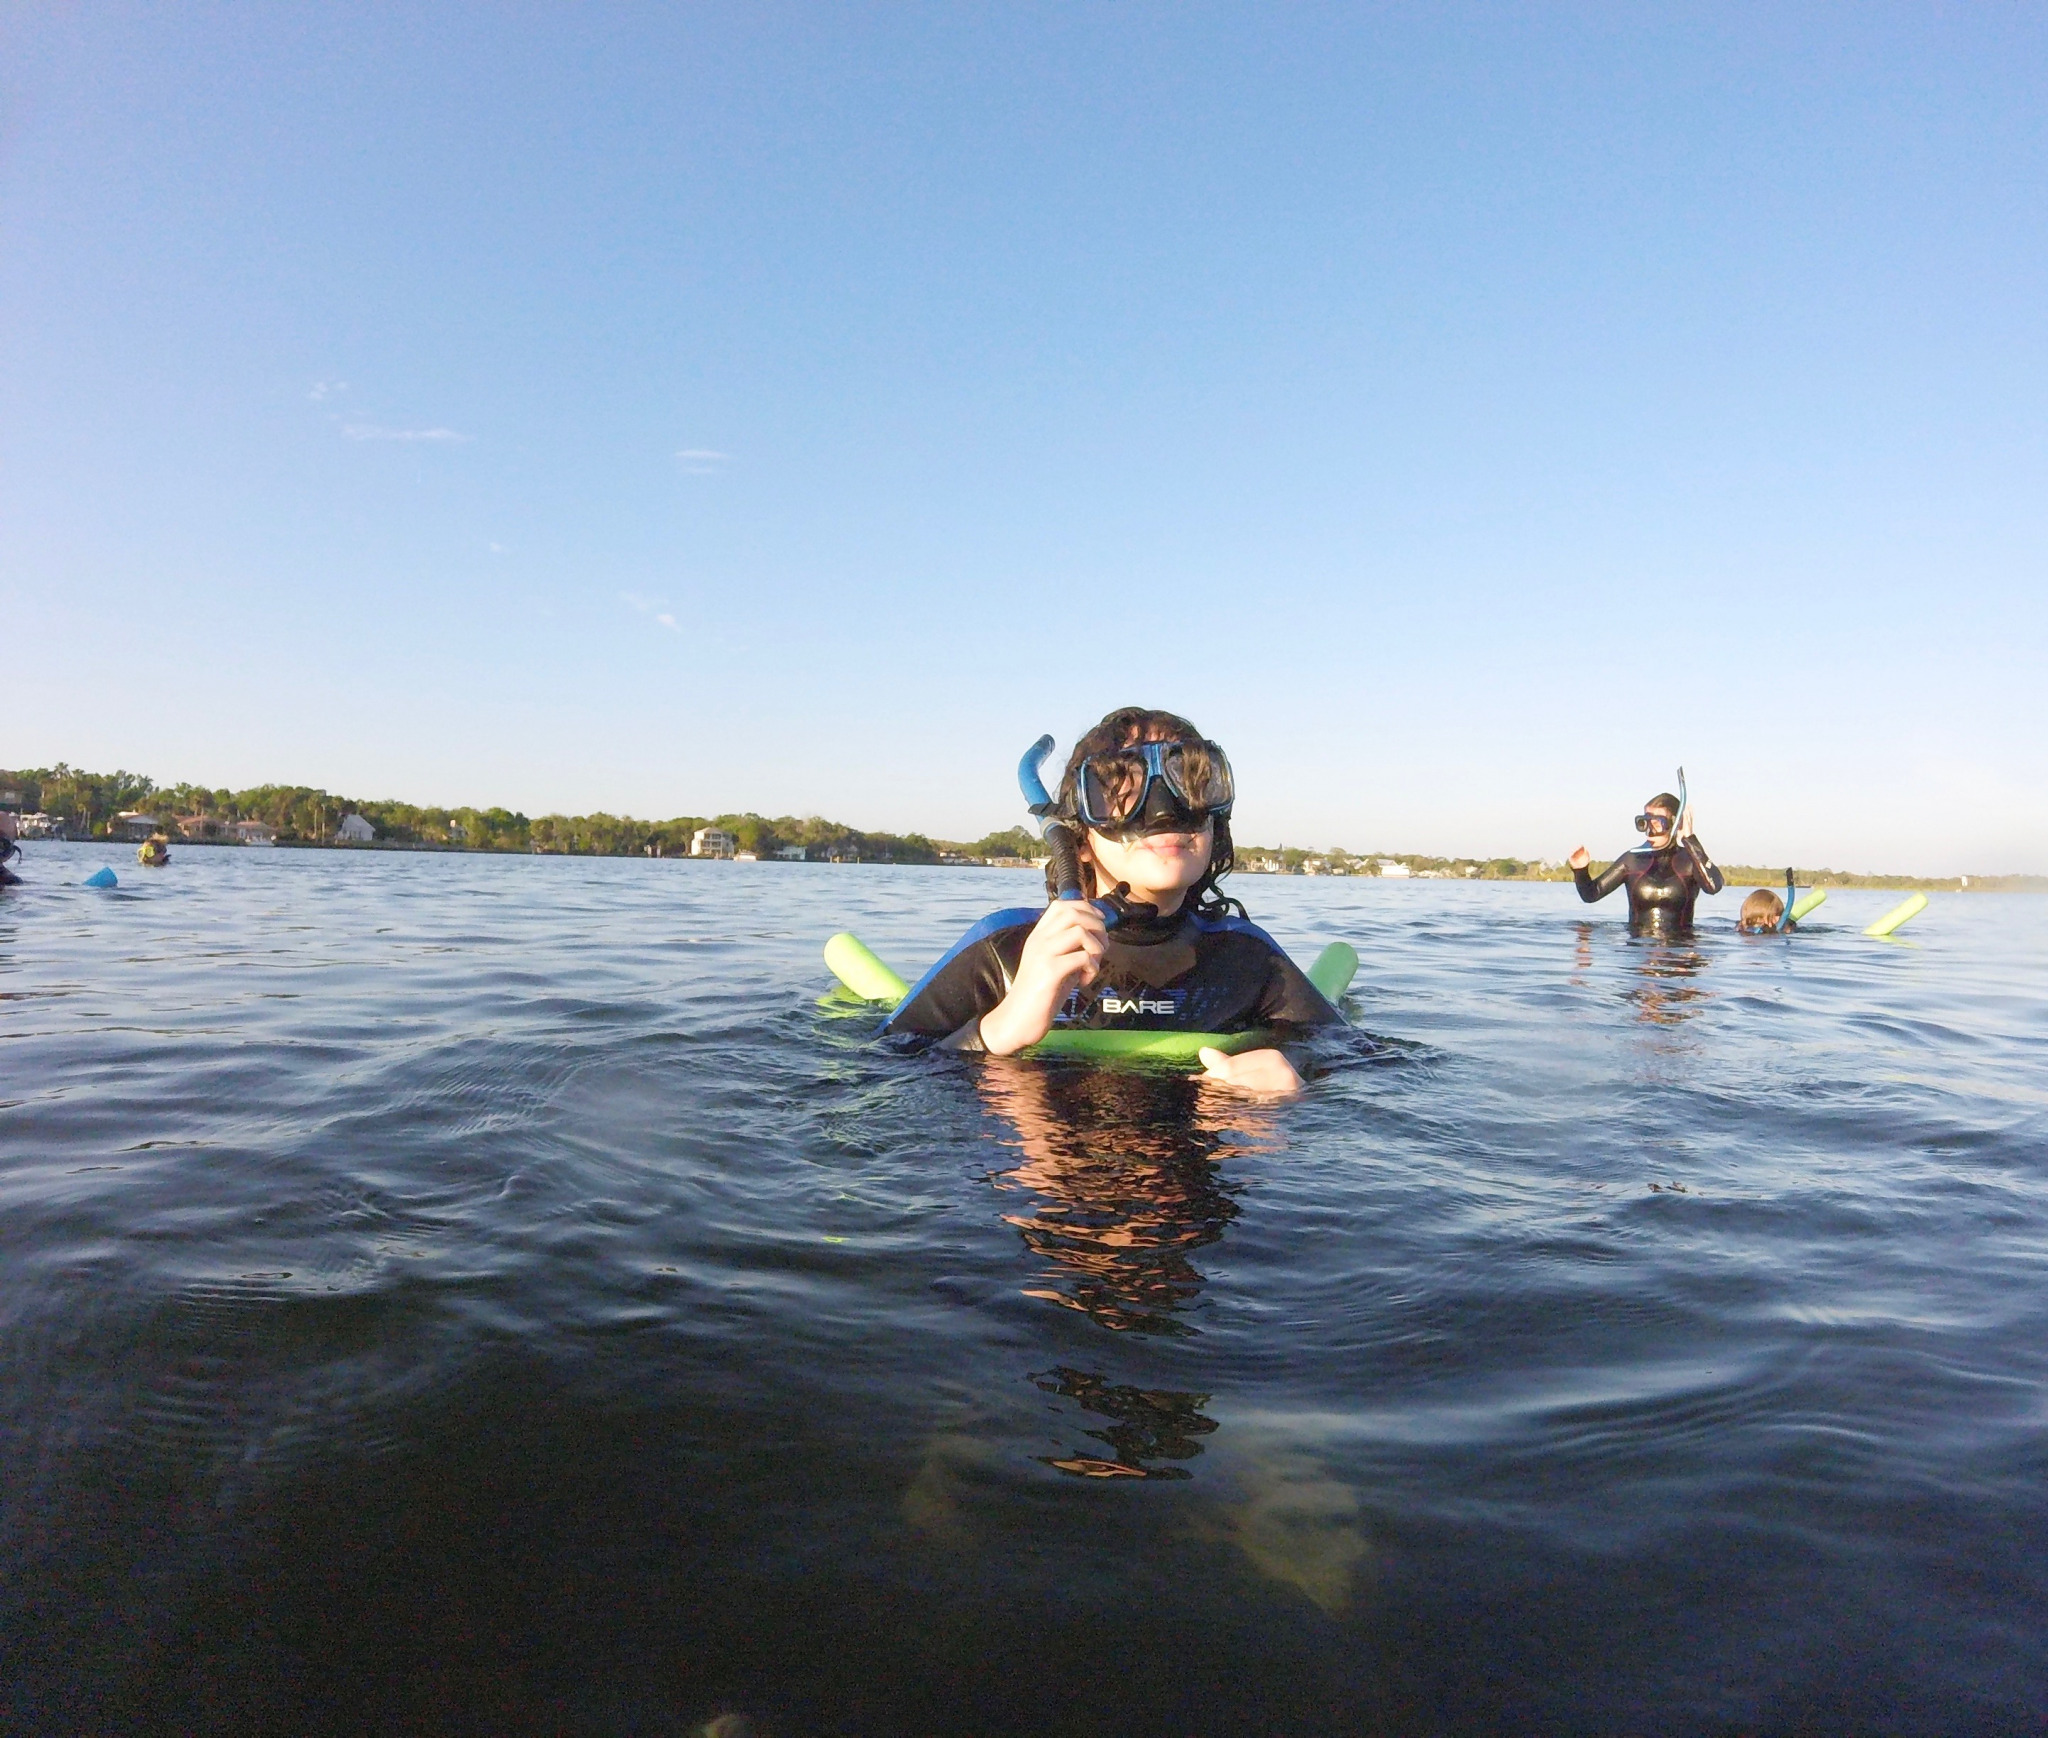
[1392, 871]
[254, 833]
[354, 830]
[712, 842]
[790, 853]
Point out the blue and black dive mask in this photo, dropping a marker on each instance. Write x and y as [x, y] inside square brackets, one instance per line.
[1154, 787]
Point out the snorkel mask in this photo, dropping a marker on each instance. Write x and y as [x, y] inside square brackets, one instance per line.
[1154, 787]
[1655, 819]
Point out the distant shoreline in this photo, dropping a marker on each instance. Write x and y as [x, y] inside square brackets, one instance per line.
[1739, 876]
[113, 806]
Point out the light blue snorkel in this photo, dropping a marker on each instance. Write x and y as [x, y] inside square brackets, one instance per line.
[1057, 832]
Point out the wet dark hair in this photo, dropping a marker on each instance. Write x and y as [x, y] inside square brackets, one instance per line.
[1122, 728]
[1663, 800]
[1761, 911]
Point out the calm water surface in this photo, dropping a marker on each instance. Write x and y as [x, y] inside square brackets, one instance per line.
[461, 1294]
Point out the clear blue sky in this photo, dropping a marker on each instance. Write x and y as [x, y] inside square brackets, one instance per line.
[1465, 414]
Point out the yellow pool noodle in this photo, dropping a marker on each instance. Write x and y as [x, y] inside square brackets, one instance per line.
[1900, 913]
[1810, 900]
[855, 966]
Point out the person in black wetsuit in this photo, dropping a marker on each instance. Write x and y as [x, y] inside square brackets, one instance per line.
[8, 848]
[1150, 798]
[1665, 874]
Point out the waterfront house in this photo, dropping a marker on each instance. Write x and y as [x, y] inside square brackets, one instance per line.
[1392, 871]
[790, 853]
[132, 824]
[254, 833]
[354, 830]
[712, 842]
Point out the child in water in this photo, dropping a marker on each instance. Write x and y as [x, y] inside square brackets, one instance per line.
[1761, 912]
[1148, 798]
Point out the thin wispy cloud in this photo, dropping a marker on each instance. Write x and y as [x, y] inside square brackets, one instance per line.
[656, 607]
[370, 431]
[702, 461]
[323, 390]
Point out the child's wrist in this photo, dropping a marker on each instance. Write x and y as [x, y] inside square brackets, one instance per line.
[1006, 1029]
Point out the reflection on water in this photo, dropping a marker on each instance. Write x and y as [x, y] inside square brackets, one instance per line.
[1146, 1425]
[1666, 994]
[1126, 1170]
[1582, 952]
[1664, 969]
[1125, 1166]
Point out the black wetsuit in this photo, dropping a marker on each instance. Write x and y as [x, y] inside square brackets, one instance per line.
[1177, 974]
[1663, 885]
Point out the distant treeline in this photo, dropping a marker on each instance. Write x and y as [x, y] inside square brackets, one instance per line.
[89, 802]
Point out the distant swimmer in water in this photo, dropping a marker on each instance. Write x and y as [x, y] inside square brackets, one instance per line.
[1762, 913]
[154, 852]
[1665, 874]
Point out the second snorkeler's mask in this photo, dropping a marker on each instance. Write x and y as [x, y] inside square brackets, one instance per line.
[1154, 787]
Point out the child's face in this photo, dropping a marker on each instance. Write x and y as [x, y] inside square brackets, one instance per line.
[1160, 867]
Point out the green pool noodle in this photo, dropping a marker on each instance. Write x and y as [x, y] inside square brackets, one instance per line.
[1334, 969]
[856, 967]
[1905, 910]
[1810, 900]
[1099, 1044]
[854, 964]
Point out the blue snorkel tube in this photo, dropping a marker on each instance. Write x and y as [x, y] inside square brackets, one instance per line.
[1058, 836]
[1053, 828]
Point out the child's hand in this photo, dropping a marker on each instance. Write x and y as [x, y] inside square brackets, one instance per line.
[1266, 1072]
[1062, 953]
[1580, 858]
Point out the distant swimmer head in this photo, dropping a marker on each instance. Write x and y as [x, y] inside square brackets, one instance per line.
[1760, 912]
[1658, 816]
[1154, 796]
